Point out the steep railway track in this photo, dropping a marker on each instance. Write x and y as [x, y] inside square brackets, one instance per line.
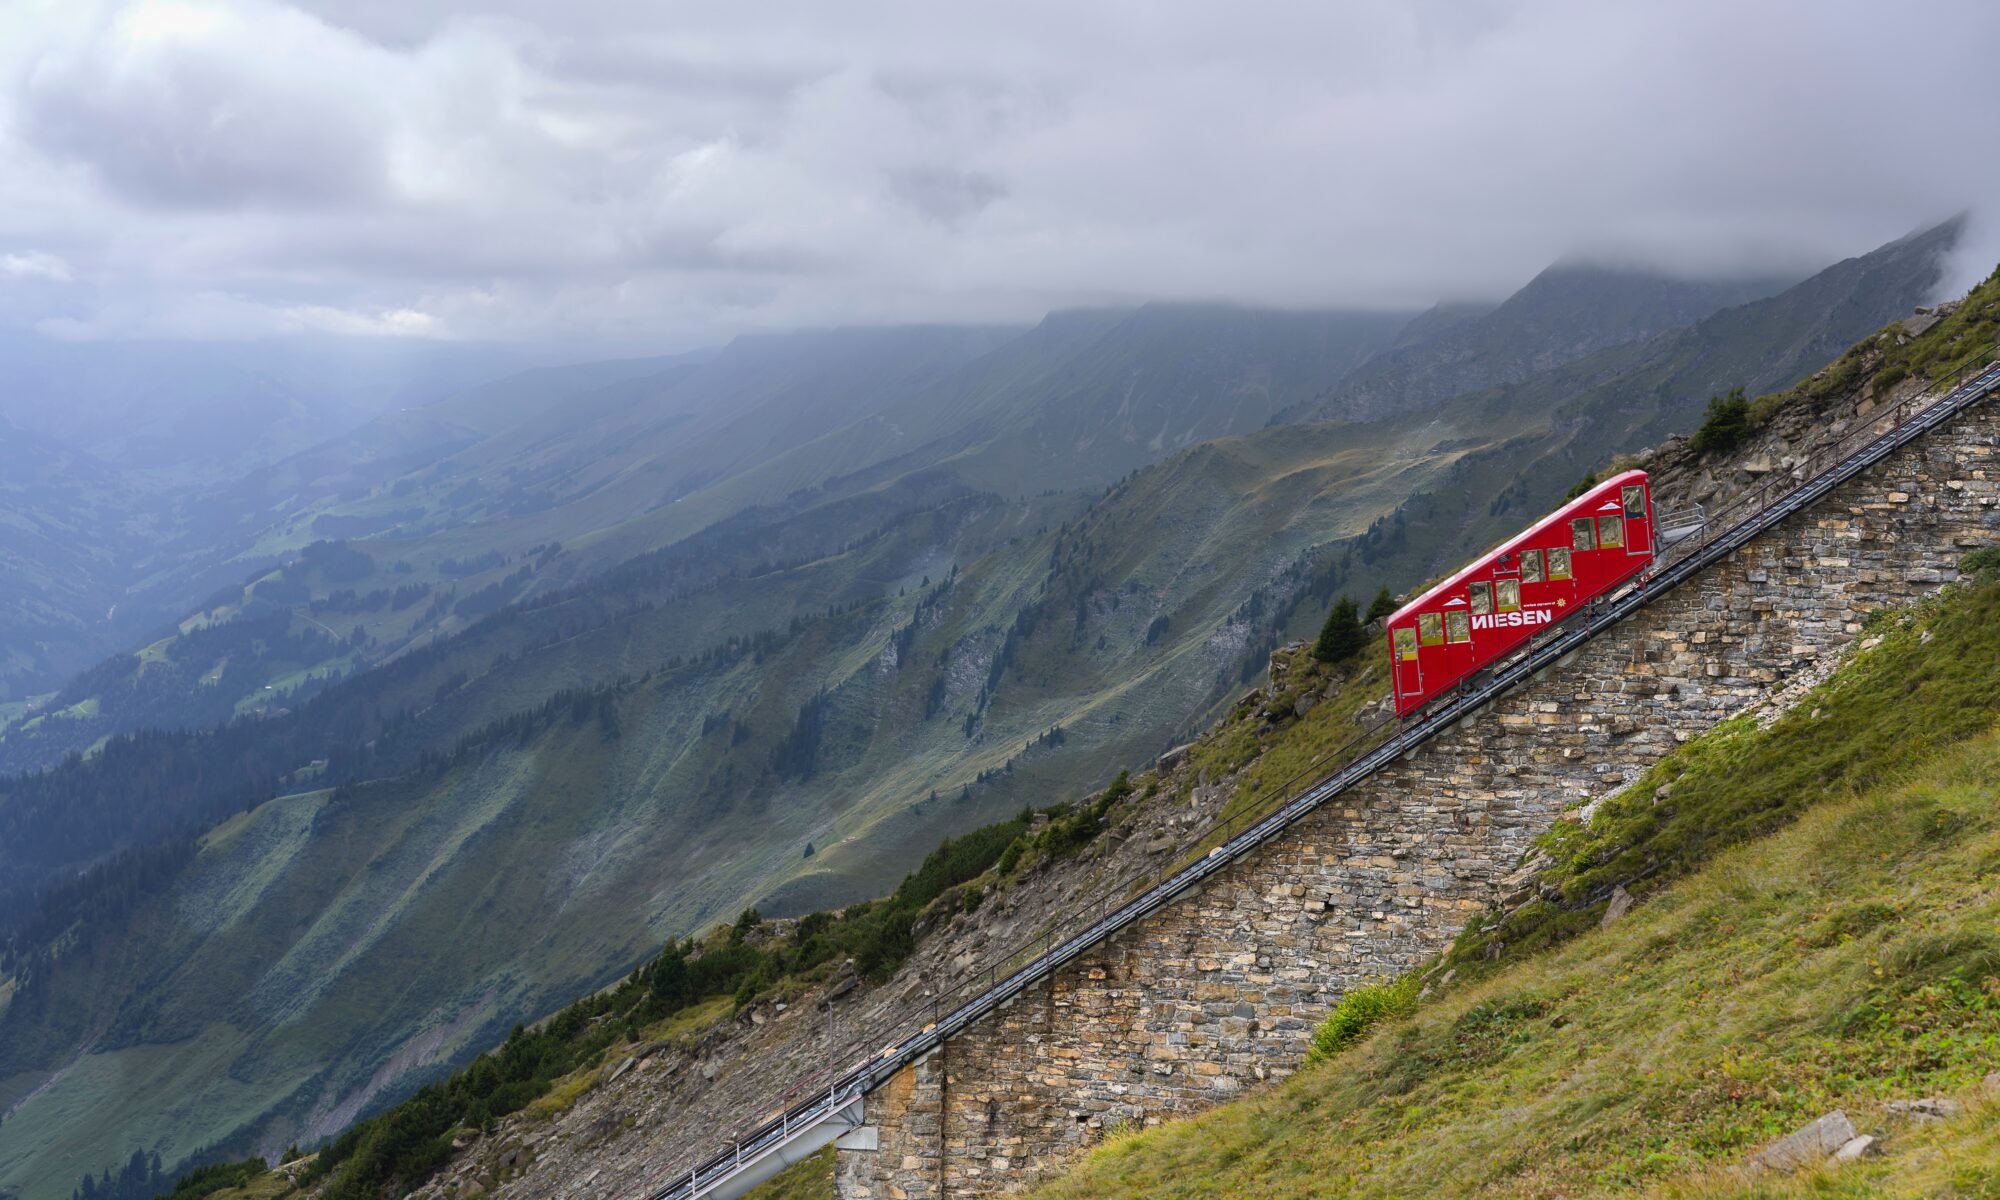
[819, 1110]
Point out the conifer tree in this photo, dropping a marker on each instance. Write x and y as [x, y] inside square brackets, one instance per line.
[1381, 606]
[1340, 638]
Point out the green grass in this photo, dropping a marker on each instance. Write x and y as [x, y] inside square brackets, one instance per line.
[1930, 683]
[1276, 768]
[565, 1093]
[1835, 943]
[692, 1019]
[808, 1179]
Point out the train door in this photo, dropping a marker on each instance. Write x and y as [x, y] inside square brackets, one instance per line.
[1632, 499]
[1409, 671]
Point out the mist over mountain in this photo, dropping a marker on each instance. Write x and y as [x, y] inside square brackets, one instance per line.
[198, 413]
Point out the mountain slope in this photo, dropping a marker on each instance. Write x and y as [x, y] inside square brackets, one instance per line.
[1618, 402]
[1847, 962]
[652, 459]
[1567, 312]
[619, 818]
[934, 657]
[66, 532]
[1938, 669]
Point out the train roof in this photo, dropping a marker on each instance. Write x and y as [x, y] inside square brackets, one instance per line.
[1590, 499]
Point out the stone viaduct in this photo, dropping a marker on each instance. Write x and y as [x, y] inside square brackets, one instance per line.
[1220, 991]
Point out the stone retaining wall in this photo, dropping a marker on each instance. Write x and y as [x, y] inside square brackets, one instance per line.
[1221, 991]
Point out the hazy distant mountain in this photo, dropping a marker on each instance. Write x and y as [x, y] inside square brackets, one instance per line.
[605, 462]
[1563, 314]
[69, 527]
[205, 412]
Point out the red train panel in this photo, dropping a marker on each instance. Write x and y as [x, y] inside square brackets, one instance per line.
[1582, 550]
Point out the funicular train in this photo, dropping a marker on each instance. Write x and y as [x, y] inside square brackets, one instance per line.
[1551, 570]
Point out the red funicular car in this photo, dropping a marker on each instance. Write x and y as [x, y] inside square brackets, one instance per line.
[1582, 550]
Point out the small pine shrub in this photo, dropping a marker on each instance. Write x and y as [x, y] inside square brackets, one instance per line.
[1341, 637]
[1359, 1011]
[1383, 605]
[1726, 426]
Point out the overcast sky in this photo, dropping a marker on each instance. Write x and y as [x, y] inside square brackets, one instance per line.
[644, 175]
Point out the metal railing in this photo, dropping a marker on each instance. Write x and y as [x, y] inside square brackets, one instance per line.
[813, 1101]
[1680, 524]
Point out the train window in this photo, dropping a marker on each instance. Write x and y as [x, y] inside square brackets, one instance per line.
[1558, 563]
[1635, 500]
[1531, 566]
[1580, 534]
[1611, 531]
[1482, 598]
[1508, 594]
[1406, 644]
[1430, 629]
[1457, 626]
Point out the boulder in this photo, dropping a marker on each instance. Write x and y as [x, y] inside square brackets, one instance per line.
[1811, 1145]
[1621, 903]
[612, 1071]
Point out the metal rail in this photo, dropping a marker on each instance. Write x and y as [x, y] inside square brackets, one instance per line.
[835, 1100]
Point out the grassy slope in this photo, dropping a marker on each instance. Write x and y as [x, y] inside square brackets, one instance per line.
[1848, 959]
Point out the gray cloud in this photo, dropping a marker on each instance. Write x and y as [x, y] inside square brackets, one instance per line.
[635, 175]
[943, 194]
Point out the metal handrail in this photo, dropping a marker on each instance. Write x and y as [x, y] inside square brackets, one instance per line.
[827, 1093]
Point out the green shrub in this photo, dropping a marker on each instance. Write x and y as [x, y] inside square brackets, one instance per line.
[1982, 564]
[1341, 637]
[1360, 1010]
[1383, 605]
[1727, 423]
[216, 1177]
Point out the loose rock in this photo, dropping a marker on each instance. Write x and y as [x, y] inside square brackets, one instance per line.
[1813, 1144]
[1621, 903]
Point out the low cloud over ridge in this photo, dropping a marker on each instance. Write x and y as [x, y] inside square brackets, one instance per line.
[615, 174]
